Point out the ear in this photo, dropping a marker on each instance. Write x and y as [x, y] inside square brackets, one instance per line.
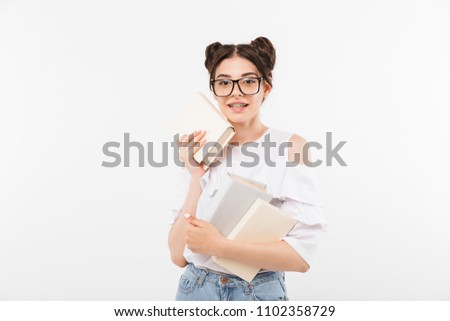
[267, 89]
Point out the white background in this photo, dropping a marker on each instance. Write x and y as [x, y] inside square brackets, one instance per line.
[77, 74]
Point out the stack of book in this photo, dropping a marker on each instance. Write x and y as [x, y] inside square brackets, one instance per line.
[241, 211]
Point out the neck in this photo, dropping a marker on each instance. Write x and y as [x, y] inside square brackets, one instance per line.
[248, 132]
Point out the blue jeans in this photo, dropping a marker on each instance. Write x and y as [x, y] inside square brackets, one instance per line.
[198, 284]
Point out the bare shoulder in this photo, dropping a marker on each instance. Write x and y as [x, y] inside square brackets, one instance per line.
[297, 141]
[296, 147]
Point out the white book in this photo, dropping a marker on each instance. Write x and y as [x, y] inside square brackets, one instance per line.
[233, 199]
[202, 114]
[262, 223]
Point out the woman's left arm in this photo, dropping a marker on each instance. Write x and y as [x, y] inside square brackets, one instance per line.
[276, 256]
[202, 237]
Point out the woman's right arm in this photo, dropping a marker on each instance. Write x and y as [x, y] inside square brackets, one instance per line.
[177, 233]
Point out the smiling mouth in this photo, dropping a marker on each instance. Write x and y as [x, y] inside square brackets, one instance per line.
[237, 105]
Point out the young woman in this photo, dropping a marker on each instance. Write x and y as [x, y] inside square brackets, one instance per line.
[240, 80]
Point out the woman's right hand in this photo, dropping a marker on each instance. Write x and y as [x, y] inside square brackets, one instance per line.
[188, 146]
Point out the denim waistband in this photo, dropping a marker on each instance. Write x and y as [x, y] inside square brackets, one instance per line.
[204, 274]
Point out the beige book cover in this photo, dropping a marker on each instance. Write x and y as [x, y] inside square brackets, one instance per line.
[262, 223]
[232, 200]
[200, 113]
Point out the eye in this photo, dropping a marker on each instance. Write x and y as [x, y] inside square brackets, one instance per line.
[248, 81]
[224, 82]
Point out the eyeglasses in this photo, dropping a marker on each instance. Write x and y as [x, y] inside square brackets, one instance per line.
[247, 86]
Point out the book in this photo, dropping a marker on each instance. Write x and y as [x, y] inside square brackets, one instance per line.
[262, 223]
[232, 200]
[201, 114]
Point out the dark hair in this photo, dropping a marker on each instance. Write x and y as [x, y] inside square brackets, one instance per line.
[260, 52]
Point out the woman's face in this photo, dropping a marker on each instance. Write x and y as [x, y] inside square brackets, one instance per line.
[240, 108]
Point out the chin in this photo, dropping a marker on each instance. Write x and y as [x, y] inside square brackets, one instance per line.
[236, 119]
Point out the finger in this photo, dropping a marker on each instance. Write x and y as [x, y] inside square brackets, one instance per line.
[185, 139]
[201, 134]
[197, 135]
[193, 220]
[195, 139]
[200, 145]
[182, 139]
[192, 135]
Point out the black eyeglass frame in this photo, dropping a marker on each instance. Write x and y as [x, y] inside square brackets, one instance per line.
[212, 81]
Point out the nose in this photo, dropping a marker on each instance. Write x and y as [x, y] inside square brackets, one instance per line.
[236, 91]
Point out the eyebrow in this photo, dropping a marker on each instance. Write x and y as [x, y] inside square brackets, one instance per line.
[243, 75]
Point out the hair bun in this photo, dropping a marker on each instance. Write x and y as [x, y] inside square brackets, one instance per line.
[211, 53]
[265, 50]
[212, 48]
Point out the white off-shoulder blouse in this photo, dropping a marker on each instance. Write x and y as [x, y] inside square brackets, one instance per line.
[293, 188]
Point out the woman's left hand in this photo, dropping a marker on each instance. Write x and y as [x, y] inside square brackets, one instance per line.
[202, 237]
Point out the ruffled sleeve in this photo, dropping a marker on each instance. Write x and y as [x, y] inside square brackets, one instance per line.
[295, 188]
[181, 186]
[210, 181]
